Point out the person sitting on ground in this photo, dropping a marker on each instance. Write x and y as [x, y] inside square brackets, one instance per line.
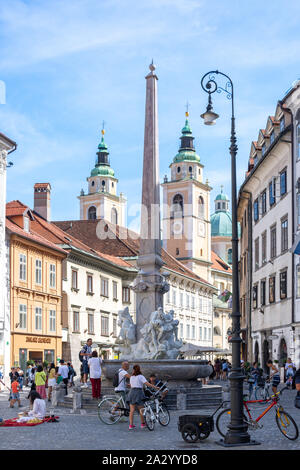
[274, 375]
[15, 395]
[38, 410]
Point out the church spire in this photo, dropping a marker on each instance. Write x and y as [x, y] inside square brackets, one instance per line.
[186, 150]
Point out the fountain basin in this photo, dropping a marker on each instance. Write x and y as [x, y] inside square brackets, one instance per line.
[185, 372]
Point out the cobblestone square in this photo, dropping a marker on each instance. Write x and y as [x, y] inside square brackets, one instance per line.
[84, 431]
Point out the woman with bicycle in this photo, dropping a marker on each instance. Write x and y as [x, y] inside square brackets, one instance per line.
[136, 394]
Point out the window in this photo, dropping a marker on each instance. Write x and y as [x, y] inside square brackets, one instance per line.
[273, 242]
[181, 299]
[193, 332]
[26, 224]
[76, 321]
[298, 281]
[90, 323]
[23, 265]
[38, 318]
[254, 296]
[92, 213]
[263, 292]
[272, 289]
[89, 284]
[187, 331]
[126, 295]
[263, 202]
[200, 332]
[263, 149]
[115, 326]
[115, 290]
[283, 285]
[38, 271]
[272, 192]
[181, 330]
[201, 207]
[177, 206]
[255, 210]
[229, 254]
[174, 297]
[114, 216]
[52, 275]
[74, 279]
[52, 320]
[209, 333]
[193, 302]
[298, 141]
[104, 325]
[23, 316]
[272, 137]
[205, 333]
[283, 183]
[256, 253]
[187, 301]
[284, 235]
[282, 124]
[264, 248]
[104, 287]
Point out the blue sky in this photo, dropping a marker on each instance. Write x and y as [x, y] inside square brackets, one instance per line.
[68, 65]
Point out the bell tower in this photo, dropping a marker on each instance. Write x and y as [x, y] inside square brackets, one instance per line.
[186, 218]
[101, 201]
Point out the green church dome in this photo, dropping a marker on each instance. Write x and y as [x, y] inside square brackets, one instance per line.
[221, 224]
[102, 171]
[187, 152]
[222, 197]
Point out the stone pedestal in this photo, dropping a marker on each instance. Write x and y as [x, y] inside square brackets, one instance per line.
[58, 394]
[77, 398]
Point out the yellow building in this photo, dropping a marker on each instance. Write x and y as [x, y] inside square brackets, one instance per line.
[35, 288]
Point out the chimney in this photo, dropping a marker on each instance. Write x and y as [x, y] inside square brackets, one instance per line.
[42, 199]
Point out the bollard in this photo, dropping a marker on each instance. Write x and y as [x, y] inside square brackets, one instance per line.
[77, 398]
[181, 398]
[55, 395]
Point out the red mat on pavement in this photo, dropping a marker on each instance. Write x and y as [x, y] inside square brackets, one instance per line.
[13, 422]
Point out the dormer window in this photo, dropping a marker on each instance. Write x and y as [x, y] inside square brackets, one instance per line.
[282, 124]
[263, 149]
[26, 224]
[272, 137]
[255, 160]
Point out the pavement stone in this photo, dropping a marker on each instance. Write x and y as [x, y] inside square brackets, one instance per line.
[84, 431]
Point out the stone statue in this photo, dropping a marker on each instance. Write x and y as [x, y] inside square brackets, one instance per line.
[159, 337]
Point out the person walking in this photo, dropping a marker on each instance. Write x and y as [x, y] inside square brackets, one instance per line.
[136, 394]
[63, 371]
[86, 353]
[51, 380]
[72, 374]
[15, 395]
[94, 364]
[217, 368]
[255, 373]
[40, 381]
[289, 370]
[274, 375]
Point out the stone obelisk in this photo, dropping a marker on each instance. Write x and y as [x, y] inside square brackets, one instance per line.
[150, 284]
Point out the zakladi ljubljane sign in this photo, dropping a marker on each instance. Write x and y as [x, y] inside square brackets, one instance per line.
[36, 339]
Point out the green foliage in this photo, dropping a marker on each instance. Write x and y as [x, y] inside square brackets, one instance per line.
[30, 362]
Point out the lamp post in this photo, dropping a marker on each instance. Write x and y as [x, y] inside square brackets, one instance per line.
[237, 430]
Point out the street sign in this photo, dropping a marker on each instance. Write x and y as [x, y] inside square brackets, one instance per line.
[270, 338]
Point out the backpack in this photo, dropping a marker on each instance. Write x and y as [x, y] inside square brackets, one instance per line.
[79, 355]
[115, 380]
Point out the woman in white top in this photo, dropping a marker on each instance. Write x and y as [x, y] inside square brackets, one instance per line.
[136, 394]
[39, 408]
[94, 364]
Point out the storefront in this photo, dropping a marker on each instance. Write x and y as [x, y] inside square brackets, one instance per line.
[35, 348]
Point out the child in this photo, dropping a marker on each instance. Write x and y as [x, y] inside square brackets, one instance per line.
[15, 396]
[289, 381]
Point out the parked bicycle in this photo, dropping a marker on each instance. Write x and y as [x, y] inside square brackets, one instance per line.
[284, 421]
[112, 408]
[263, 391]
[155, 410]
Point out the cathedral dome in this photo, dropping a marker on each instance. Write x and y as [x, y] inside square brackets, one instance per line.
[187, 152]
[102, 171]
[221, 224]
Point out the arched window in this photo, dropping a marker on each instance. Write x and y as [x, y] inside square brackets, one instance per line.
[92, 213]
[201, 207]
[177, 206]
[114, 216]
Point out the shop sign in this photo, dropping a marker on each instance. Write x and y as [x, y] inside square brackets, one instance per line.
[36, 339]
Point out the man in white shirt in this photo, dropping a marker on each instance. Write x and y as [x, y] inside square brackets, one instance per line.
[123, 375]
[63, 370]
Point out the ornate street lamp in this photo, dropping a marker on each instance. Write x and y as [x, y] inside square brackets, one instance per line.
[237, 430]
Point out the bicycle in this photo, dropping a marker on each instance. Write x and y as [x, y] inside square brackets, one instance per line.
[155, 411]
[284, 421]
[111, 409]
[262, 392]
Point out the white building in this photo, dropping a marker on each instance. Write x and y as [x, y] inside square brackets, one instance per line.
[6, 147]
[270, 185]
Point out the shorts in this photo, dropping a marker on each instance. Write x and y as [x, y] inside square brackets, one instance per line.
[275, 380]
[15, 396]
[85, 367]
[136, 396]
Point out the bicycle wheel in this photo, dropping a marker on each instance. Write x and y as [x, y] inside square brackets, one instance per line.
[189, 433]
[163, 415]
[149, 419]
[223, 421]
[287, 425]
[262, 393]
[108, 411]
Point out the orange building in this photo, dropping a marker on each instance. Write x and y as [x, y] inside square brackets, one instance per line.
[35, 289]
